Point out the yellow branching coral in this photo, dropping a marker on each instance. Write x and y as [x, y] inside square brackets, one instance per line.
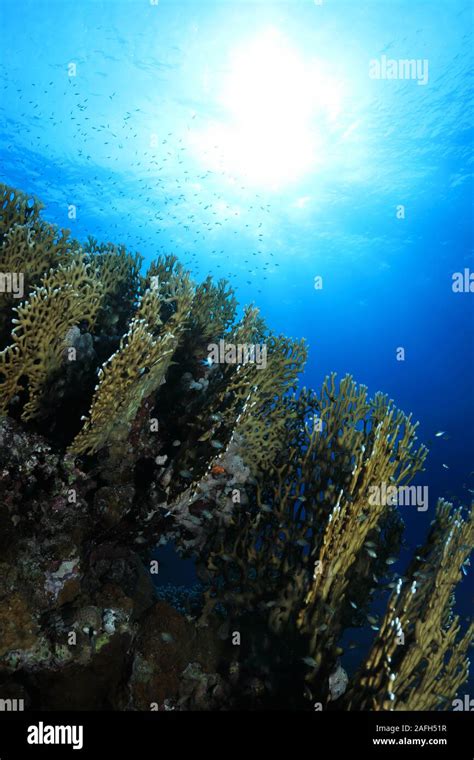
[299, 551]
[345, 426]
[251, 328]
[66, 297]
[17, 207]
[136, 370]
[280, 494]
[353, 445]
[29, 247]
[249, 401]
[213, 310]
[119, 273]
[164, 268]
[262, 420]
[164, 273]
[29, 244]
[115, 265]
[23, 250]
[418, 661]
[350, 522]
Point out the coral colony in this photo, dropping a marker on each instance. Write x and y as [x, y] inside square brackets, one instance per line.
[135, 411]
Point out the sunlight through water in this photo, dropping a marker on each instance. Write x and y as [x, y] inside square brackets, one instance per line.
[279, 111]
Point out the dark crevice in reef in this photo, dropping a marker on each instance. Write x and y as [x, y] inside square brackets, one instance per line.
[118, 436]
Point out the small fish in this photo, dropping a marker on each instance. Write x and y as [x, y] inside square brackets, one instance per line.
[322, 627]
[205, 436]
[372, 619]
[353, 604]
[391, 560]
[375, 627]
[176, 443]
[216, 444]
[266, 508]
[353, 645]
[186, 474]
[440, 433]
[309, 661]
[371, 553]
[167, 637]
[302, 542]
[445, 466]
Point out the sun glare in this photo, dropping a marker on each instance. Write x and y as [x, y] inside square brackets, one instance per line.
[279, 109]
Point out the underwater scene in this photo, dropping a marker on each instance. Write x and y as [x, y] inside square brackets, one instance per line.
[236, 356]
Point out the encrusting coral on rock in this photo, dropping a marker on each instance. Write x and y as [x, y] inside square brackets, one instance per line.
[118, 434]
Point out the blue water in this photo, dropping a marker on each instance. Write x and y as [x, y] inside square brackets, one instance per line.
[160, 140]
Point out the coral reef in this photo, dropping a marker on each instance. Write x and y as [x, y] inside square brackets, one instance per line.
[185, 599]
[131, 374]
[118, 434]
[418, 660]
[67, 296]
